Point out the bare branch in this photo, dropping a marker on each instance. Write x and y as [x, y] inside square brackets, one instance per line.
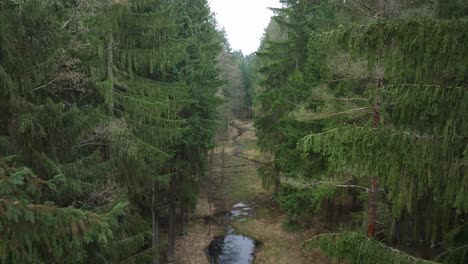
[328, 115]
[350, 78]
[296, 183]
[350, 99]
[45, 85]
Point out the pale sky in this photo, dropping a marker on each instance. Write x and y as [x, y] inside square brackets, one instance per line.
[244, 21]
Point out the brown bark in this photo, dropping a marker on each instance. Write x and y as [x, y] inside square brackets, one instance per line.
[277, 181]
[183, 227]
[210, 175]
[373, 207]
[171, 233]
[110, 72]
[222, 164]
[155, 224]
[374, 180]
[183, 230]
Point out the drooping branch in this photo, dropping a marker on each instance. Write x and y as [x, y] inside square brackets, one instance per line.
[308, 185]
[344, 245]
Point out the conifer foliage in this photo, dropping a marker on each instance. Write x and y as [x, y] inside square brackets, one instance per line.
[374, 94]
[99, 103]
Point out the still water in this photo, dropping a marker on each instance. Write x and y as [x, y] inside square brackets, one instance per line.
[233, 248]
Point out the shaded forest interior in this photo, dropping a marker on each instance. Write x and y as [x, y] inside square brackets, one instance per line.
[116, 116]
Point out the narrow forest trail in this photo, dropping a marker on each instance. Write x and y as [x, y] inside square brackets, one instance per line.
[235, 181]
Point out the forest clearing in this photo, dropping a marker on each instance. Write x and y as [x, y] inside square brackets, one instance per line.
[233, 132]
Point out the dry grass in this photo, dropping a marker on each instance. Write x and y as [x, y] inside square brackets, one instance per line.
[191, 248]
[277, 245]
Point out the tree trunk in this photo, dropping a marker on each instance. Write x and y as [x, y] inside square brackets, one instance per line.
[277, 182]
[222, 163]
[110, 71]
[154, 213]
[374, 180]
[171, 233]
[182, 208]
[110, 76]
[183, 230]
[372, 207]
[241, 114]
[210, 198]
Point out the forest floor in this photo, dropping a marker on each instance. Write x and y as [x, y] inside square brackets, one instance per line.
[235, 180]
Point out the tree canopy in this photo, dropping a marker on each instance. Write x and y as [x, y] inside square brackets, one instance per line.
[98, 101]
[362, 98]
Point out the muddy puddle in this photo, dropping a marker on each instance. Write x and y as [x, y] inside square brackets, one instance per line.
[233, 248]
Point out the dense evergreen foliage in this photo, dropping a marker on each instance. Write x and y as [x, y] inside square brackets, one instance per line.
[107, 109]
[363, 105]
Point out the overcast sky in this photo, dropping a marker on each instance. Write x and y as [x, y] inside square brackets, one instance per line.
[244, 21]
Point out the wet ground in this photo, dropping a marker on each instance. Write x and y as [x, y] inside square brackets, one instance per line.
[241, 211]
[233, 248]
[244, 224]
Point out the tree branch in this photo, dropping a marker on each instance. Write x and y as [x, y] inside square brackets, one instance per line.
[345, 112]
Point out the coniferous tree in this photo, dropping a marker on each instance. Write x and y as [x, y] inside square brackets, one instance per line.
[373, 97]
[96, 97]
[421, 175]
[49, 105]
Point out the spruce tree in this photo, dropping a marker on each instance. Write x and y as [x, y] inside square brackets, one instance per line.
[415, 147]
[369, 86]
[54, 212]
[96, 97]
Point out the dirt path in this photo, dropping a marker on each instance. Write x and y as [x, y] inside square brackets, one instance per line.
[241, 184]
